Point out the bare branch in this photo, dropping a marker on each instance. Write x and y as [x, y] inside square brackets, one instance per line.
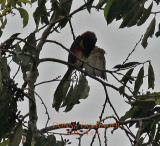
[70, 24]
[56, 79]
[93, 77]
[133, 50]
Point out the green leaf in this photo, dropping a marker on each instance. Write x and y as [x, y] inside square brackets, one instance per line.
[3, 23]
[40, 10]
[32, 41]
[121, 90]
[139, 81]
[17, 136]
[51, 140]
[129, 113]
[100, 4]
[136, 15]
[146, 15]
[1, 32]
[5, 70]
[64, 10]
[89, 6]
[131, 12]
[24, 16]
[149, 32]
[158, 32]
[6, 10]
[151, 77]
[126, 65]
[5, 142]
[10, 41]
[24, 1]
[20, 59]
[127, 76]
[25, 70]
[33, 1]
[158, 101]
[107, 7]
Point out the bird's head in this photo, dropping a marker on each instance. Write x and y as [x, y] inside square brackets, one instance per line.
[89, 40]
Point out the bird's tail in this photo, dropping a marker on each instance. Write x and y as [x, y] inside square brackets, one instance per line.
[62, 89]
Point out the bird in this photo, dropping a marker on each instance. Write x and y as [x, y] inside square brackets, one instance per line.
[97, 60]
[81, 47]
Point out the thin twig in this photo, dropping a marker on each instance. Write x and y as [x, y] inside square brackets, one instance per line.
[56, 79]
[17, 72]
[93, 140]
[133, 50]
[99, 138]
[105, 136]
[70, 24]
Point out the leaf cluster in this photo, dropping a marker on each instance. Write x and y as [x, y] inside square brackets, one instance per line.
[132, 12]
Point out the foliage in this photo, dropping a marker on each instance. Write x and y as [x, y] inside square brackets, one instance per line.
[132, 13]
[144, 111]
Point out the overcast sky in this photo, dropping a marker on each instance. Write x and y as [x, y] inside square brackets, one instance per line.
[118, 43]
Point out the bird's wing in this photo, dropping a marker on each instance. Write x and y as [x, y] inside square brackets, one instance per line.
[97, 60]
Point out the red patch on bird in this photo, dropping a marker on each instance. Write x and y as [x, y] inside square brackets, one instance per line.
[78, 50]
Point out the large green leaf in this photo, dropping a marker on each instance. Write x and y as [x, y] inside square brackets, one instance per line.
[10, 41]
[40, 10]
[129, 113]
[126, 65]
[20, 59]
[100, 4]
[127, 76]
[5, 70]
[31, 41]
[151, 77]
[127, 17]
[107, 7]
[139, 81]
[64, 10]
[24, 16]
[149, 32]
[49, 140]
[136, 15]
[146, 15]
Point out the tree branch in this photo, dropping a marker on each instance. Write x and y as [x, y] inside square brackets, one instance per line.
[79, 69]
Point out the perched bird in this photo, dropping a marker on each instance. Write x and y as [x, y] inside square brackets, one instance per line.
[97, 60]
[81, 47]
